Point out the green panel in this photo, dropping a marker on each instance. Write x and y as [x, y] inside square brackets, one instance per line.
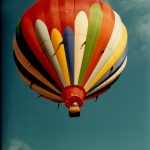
[95, 21]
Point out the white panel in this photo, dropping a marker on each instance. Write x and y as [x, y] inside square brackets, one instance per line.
[115, 38]
[45, 41]
[81, 26]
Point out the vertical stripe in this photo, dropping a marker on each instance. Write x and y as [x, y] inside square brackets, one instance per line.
[111, 79]
[51, 14]
[28, 75]
[98, 93]
[83, 5]
[38, 88]
[46, 44]
[103, 39]
[27, 52]
[58, 45]
[66, 14]
[68, 39]
[114, 57]
[81, 26]
[95, 20]
[113, 69]
[27, 25]
[26, 64]
[112, 44]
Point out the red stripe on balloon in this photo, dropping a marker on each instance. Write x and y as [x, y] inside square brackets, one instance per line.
[82, 6]
[53, 99]
[97, 94]
[27, 25]
[102, 41]
[66, 14]
[51, 14]
[91, 2]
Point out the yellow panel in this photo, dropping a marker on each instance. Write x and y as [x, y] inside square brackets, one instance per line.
[39, 89]
[26, 64]
[112, 60]
[58, 45]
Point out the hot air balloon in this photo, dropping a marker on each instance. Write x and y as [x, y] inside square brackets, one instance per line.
[70, 51]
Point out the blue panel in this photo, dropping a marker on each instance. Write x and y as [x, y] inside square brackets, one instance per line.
[112, 70]
[68, 39]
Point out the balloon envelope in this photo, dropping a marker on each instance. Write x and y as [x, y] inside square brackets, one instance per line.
[70, 51]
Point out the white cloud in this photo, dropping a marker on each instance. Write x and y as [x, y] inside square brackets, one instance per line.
[140, 30]
[16, 144]
[137, 4]
[129, 4]
[140, 35]
[143, 27]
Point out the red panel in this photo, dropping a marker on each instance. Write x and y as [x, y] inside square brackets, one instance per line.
[51, 14]
[97, 94]
[27, 24]
[91, 2]
[103, 39]
[66, 14]
[82, 5]
[52, 99]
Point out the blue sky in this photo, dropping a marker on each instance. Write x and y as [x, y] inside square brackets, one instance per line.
[119, 120]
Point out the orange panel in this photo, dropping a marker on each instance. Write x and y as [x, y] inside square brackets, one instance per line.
[102, 41]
